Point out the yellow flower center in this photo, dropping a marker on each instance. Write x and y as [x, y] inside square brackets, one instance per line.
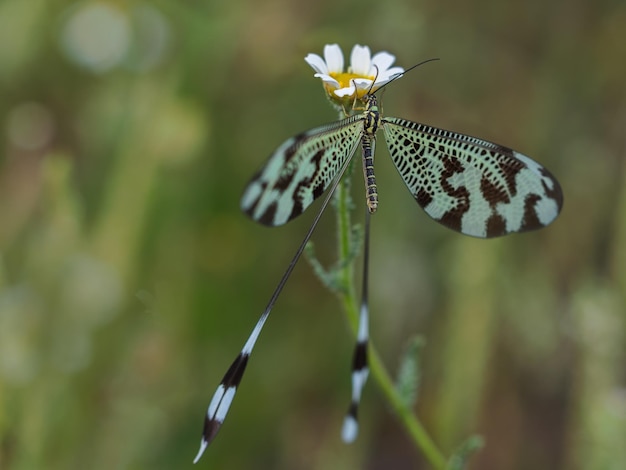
[345, 80]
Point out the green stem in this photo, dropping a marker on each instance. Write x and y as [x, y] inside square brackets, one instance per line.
[414, 427]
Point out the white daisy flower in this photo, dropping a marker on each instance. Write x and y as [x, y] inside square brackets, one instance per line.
[364, 71]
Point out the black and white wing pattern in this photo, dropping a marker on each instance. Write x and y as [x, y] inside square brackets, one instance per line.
[471, 185]
[299, 171]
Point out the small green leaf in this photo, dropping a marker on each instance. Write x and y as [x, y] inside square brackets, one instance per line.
[409, 373]
[331, 277]
[328, 277]
[459, 459]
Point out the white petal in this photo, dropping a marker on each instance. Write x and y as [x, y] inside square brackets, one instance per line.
[394, 71]
[327, 79]
[362, 83]
[390, 74]
[380, 83]
[316, 63]
[334, 58]
[360, 60]
[348, 91]
[383, 61]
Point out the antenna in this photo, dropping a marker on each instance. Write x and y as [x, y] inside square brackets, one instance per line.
[401, 74]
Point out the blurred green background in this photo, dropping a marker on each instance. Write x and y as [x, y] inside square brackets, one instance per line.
[129, 279]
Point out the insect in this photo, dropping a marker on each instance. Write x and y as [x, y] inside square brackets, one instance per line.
[469, 185]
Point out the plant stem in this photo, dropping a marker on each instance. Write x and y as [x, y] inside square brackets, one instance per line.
[414, 427]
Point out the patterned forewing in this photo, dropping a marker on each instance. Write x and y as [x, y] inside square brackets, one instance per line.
[471, 185]
[299, 171]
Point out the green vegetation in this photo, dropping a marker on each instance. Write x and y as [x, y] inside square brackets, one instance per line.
[129, 279]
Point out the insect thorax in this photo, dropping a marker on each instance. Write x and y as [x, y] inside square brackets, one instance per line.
[371, 115]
